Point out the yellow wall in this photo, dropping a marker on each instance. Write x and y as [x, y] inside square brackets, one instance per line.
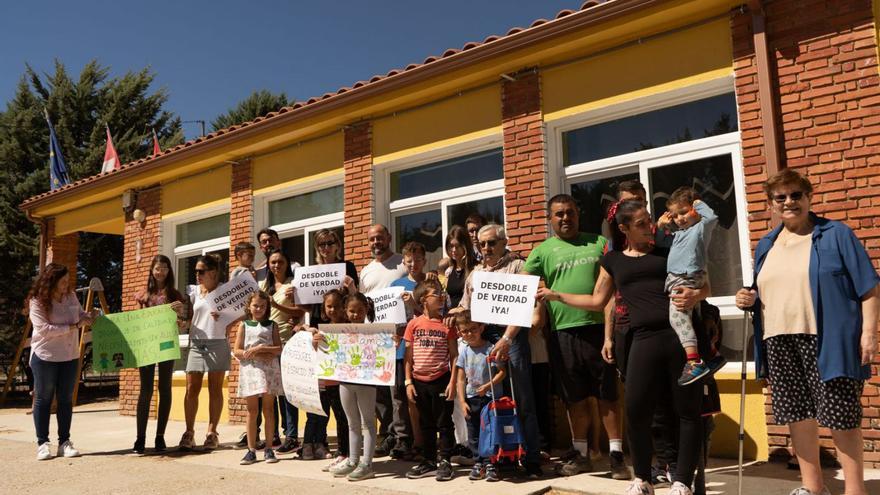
[454, 120]
[724, 439]
[105, 217]
[677, 60]
[296, 162]
[197, 190]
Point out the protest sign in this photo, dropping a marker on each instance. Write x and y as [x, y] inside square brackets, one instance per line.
[135, 338]
[298, 374]
[312, 282]
[357, 353]
[389, 305]
[503, 298]
[230, 298]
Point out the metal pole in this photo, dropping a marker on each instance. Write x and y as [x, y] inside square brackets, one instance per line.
[742, 400]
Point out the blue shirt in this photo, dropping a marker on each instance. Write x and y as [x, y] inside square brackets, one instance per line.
[687, 255]
[841, 274]
[476, 370]
[409, 286]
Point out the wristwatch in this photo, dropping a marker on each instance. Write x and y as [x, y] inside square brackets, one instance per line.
[407, 383]
[506, 339]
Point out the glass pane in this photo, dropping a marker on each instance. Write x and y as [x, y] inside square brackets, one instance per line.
[294, 247]
[676, 124]
[340, 232]
[425, 227]
[448, 174]
[712, 178]
[203, 230]
[593, 198]
[308, 205]
[492, 210]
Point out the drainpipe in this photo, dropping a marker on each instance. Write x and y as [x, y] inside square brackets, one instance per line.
[765, 88]
[44, 241]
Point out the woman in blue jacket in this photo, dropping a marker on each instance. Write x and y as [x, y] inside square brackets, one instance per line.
[815, 301]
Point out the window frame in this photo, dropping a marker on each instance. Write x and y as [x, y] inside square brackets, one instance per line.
[169, 233]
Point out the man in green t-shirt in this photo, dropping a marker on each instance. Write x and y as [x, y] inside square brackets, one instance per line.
[569, 262]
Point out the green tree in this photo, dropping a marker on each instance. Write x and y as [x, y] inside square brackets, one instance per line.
[79, 109]
[259, 103]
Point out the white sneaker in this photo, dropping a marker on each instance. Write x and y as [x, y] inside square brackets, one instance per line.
[44, 452]
[639, 487]
[67, 449]
[679, 488]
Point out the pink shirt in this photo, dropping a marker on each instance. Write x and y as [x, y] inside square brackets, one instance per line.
[55, 336]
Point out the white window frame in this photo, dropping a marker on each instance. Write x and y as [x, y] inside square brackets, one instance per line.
[169, 233]
[440, 199]
[304, 227]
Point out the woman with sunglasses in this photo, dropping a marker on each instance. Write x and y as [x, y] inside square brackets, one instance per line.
[815, 303]
[208, 353]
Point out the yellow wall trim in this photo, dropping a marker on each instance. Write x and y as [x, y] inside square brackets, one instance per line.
[299, 162]
[105, 217]
[197, 191]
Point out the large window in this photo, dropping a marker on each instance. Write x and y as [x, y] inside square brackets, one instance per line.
[691, 140]
[298, 216]
[428, 199]
[198, 237]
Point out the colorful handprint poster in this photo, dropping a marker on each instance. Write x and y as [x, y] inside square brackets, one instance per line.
[298, 374]
[357, 353]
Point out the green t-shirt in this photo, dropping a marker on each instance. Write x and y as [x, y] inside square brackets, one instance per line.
[571, 267]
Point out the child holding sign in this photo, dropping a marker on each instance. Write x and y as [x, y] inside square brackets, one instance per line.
[431, 352]
[257, 347]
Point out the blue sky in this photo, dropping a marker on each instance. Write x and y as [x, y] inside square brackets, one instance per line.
[210, 55]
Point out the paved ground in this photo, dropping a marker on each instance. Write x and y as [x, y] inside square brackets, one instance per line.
[105, 438]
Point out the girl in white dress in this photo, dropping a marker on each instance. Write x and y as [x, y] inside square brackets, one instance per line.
[257, 347]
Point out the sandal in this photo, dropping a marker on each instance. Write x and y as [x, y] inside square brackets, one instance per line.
[186, 441]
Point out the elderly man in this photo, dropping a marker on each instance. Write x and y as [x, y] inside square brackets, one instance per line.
[391, 403]
[514, 345]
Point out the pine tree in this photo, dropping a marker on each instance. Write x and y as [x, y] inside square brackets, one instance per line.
[258, 104]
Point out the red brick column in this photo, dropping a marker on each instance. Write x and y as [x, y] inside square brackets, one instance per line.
[828, 88]
[525, 167]
[241, 220]
[140, 245]
[62, 249]
[360, 202]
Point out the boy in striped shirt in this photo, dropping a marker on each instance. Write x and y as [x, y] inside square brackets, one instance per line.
[431, 352]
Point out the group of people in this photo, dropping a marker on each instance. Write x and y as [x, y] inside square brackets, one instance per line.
[608, 310]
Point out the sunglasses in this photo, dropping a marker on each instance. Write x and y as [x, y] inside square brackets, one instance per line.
[326, 244]
[489, 243]
[202, 271]
[782, 198]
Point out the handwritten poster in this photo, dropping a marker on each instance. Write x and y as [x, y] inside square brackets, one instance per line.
[357, 353]
[298, 359]
[503, 298]
[312, 282]
[231, 298]
[135, 338]
[389, 305]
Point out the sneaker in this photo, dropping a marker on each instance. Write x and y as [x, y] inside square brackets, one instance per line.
[336, 462]
[619, 469]
[444, 471]
[679, 488]
[462, 456]
[212, 441]
[67, 449]
[639, 487]
[249, 458]
[139, 447]
[385, 446]
[322, 452]
[421, 470]
[659, 476]
[578, 465]
[361, 472]
[159, 444]
[715, 363]
[476, 472]
[276, 442]
[533, 470]
[492, 473]
[269, 456]
[693, 371]
[187, 442]
[242, 440]
[308, 452]
[44, 451]
[288, 445]
[343, 469]
[804, 491]
[261, 444]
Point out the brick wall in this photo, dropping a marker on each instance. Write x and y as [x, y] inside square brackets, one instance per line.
[136, 269]
[241, 219]
[360, 200]
[62, 249]
[525, 167]
[823, 57]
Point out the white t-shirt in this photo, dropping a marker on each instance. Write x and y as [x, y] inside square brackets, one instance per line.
[204, 326]
[379, 275]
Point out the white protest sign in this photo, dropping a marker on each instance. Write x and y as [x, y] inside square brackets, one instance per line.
[503, 298]
[358, 353]
[312, 282]
[389, 305]
[298, 374]
[230, 298]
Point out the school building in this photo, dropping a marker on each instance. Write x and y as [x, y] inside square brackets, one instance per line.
[716, 94]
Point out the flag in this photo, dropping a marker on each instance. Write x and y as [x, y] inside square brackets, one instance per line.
[156, 149]
[57, 169]
[111, 159]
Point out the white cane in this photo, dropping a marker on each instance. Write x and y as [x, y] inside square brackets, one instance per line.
[742, 399]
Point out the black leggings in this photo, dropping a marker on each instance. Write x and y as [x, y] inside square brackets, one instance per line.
[654, 365]
[166, 369]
